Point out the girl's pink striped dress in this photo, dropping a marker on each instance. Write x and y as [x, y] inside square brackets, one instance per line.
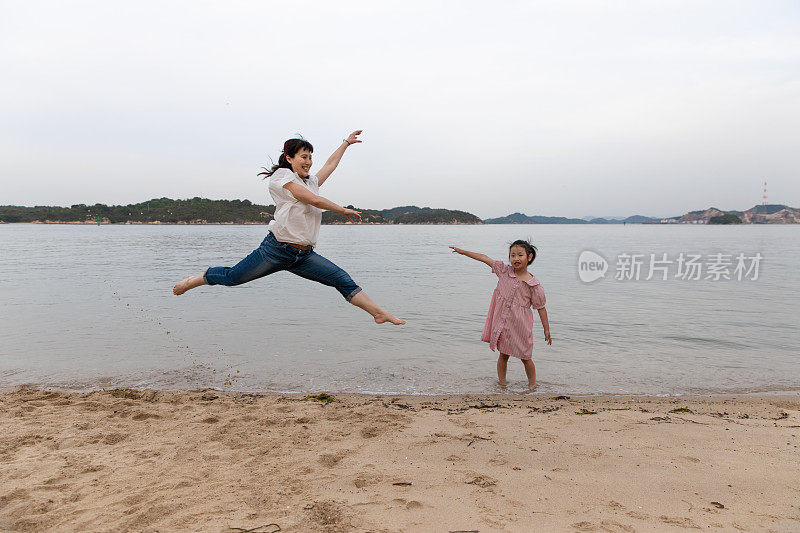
[509, 324]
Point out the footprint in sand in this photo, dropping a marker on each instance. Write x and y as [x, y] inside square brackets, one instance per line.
[482, 481]
[613, 526]
[331, 459]
[114, 438]
[610, 526]
[144, 416]
[408, 504]
[680, 521]
[369, 432]
[365, 479]
[16, 494]
[330, 514]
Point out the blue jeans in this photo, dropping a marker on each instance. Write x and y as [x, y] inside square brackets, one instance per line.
[273, 256]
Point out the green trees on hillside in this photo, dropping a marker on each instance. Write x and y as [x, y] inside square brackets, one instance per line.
[157, 210]
[202, 210]
[727, 218]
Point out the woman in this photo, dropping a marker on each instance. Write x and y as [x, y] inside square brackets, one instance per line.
[293, 233]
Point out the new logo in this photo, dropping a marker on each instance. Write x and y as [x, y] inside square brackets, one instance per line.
[591, 266]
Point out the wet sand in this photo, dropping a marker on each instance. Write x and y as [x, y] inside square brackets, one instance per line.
[129, 460]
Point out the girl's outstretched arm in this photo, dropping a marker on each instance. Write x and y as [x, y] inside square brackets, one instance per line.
[333, 161]
[545, 325]
[474, 255]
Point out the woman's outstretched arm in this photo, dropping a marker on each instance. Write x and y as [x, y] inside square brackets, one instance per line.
[474, 255]
[333, 161]
[307, 197]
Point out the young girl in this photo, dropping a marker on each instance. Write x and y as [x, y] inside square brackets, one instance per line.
[509, 325]
[293, 234]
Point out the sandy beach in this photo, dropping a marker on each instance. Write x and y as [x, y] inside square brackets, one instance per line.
[128, 460]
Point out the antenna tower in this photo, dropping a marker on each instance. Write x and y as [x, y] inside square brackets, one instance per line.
[764, 195]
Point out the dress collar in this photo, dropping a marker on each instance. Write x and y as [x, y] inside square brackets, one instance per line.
[532, 282]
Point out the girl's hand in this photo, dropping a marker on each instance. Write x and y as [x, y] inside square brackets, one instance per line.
[547, 337]
[483, 258]
[353, 138]
[352, 213]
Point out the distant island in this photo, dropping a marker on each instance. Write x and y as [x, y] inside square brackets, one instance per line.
[204, 211]
[519, 218]
[759, 214]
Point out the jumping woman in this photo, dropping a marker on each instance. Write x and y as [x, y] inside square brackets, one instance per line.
[293, 234]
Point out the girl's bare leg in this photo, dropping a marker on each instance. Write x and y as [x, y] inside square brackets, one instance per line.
[187, 284]
[365, 302]
[530, 371]
[502, 364]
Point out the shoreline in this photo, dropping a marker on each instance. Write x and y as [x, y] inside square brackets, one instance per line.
[206, 459]
[786, 393]
[680, 224]
[92, 223]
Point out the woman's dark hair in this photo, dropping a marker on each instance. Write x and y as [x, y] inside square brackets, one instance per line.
[290, 149]
[527, 246]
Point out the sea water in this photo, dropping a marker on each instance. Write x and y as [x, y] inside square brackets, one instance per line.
[89, 307]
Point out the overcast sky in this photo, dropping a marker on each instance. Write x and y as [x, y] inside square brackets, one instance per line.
[547, 108]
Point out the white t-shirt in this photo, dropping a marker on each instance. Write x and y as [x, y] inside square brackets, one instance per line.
[295, 221]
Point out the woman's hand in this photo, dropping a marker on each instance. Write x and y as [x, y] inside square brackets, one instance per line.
[333, 161]
[547, 337]
[353, 138]
[351, 213]
[457, 250]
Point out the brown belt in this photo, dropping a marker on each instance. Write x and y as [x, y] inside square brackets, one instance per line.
[299, 246]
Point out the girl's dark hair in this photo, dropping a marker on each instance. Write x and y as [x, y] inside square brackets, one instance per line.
[290, 148]
[527, 246]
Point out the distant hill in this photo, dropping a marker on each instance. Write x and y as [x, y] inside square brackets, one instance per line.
[759, 214]
[155, 211]
[519, 218]
[407, 215]
[590, 218]
[203, 211]
[641, 219]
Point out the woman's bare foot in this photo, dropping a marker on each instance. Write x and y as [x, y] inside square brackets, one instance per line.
[531, 388]
[187, 284]
[386, 317]
[365, 302]
[502, 384]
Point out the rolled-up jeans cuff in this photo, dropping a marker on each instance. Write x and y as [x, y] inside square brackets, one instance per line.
[355, 291]
[205, 278]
